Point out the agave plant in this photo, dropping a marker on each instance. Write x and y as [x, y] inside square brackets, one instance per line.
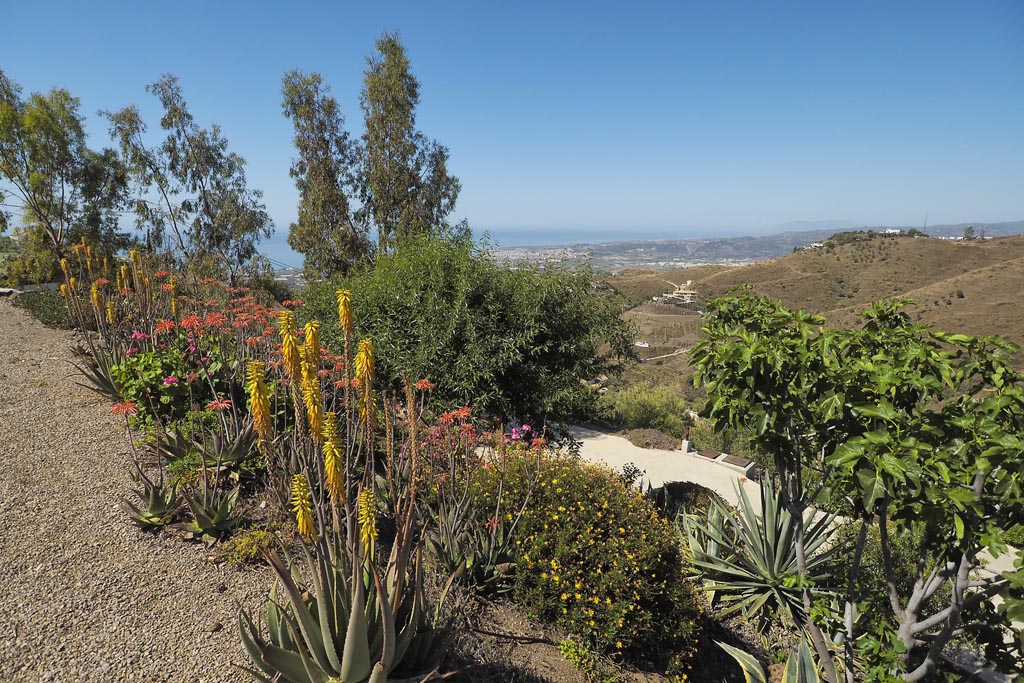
[158, 502]
[748, 557]
[799, 666]
[350, 623]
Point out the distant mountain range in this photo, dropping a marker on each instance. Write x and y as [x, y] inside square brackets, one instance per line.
[677, 253]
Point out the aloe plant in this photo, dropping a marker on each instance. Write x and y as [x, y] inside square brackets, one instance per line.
[350, 623]
[213, 513]
[97, 372]
[159, 502]
[748, 557]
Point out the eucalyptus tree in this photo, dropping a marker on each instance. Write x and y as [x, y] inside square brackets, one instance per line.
[915, 432]
[192, 199]
[64, 190]
[328, 233]
[407, 188]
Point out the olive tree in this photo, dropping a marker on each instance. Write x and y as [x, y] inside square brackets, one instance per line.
[914, 431]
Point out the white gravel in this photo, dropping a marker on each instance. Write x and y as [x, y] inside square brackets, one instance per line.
[84, 595]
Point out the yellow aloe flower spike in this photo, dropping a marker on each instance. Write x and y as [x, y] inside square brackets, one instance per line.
[73, 282]
[345, 311]
[314, 409]
[64, 265]
[259, 400]
[302, 506]
[94, 294]
[290, 346]
[367, 517]
[312, 344]
[111, 318]
[333, 456]
[364, 363]
[64, 290]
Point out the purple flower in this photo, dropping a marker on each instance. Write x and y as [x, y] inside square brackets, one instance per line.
[526, 428]
[170, 380]
[140, 335]
[130, 351]
[204, 360]
[515, 433]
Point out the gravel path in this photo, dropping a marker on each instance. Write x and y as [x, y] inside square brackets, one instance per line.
[85, 595]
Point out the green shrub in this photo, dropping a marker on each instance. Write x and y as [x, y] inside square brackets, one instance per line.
[46, 306]
[595, 559]
[640, 406]
[511, 342]
[1014, 536]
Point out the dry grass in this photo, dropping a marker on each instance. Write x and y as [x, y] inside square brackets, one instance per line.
[974, 287]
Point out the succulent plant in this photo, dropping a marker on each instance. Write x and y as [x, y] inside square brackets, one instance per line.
[213, 513]
[159, 502]
[350, 623]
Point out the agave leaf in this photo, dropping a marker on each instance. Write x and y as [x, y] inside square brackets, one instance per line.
[800, 666]
[752, 671]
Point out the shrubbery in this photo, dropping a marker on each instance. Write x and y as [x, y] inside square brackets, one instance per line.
[510, 342]
[595, 558]
[641, 406]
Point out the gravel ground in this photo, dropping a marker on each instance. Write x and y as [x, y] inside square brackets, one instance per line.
[85, 595]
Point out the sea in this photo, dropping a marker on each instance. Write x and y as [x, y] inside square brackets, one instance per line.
[281, 256]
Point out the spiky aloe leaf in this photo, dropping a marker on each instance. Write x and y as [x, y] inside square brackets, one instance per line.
[270, 658]
[312, 636]
[355, 660]
[752, 670]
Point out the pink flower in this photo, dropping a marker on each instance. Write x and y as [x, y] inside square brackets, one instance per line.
[131, 351]
[515, 433]
[526, 428]
[140, 335]
[170, 380]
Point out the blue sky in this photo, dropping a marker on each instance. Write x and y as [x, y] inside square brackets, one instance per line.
[593, 119]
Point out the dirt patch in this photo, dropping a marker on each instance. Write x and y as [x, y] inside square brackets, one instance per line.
[651, 438]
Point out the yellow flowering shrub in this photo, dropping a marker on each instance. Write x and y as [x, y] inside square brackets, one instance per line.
[596, 559]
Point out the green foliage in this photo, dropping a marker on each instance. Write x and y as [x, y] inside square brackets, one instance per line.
[914, 430]
[641, 406]
[748, 558]
[247, 547]
[142, 376]
[46, 306]
[407, 189]
[66, 190]
[589, 664]
[509, 342]
[206, 218]
[327, 232]
[595, 558]
[357, 625]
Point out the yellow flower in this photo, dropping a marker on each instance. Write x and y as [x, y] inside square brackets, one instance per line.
[73, 282]
[259, 400]
[367, 517]
[312, 345]
[345, 311]
[314, 409]
[365, 363]
[64, 265]
[290, 346]
[64, 290]
[302, 506]
[333, 457]
[110, 313]
[94, 294]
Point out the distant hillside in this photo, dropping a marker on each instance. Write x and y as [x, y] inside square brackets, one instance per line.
[973, 286]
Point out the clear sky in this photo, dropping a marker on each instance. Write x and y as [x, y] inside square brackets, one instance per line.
[586, 119]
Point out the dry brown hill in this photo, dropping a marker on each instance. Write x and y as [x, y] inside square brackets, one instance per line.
[974, 287]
